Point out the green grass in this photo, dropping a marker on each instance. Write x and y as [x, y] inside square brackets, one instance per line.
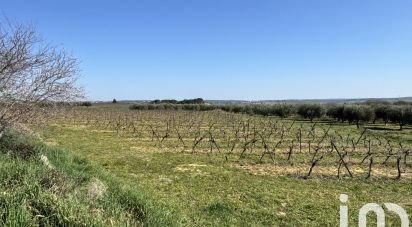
[204, 190]
[72, 192]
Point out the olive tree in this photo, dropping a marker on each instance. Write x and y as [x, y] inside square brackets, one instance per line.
[382, 112]
[282, 110]
[32, 72]
[356, 114]
[401, 116]
[336, 112]
[366, 114]
[310, 111]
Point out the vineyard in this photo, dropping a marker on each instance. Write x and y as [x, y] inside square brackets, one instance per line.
[205, 113]
[264, 145]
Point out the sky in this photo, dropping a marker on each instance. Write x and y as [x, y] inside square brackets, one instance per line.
[230, 49]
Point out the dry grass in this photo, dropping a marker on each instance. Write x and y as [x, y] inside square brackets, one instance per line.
[96, 189]
[300, 170]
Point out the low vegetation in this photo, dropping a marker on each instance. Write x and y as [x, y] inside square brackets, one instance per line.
[43, 186]
[223, 169]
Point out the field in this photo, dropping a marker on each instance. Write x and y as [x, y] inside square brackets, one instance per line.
[222, 169]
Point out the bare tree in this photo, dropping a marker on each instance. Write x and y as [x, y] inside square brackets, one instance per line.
[32, 72]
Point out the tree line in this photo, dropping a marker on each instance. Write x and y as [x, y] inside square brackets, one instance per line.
[400, 114]
[173, 101]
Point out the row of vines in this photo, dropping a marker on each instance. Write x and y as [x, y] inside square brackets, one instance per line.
[329, 149]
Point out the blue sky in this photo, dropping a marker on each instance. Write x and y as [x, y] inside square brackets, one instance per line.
[231, 49]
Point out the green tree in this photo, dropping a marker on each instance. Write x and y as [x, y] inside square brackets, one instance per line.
[356, 114]
[382, 112]
[310, 111]
[401, 115]
[336, 112]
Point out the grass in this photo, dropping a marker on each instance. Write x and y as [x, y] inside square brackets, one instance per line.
[65, 190]
[204, 190]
